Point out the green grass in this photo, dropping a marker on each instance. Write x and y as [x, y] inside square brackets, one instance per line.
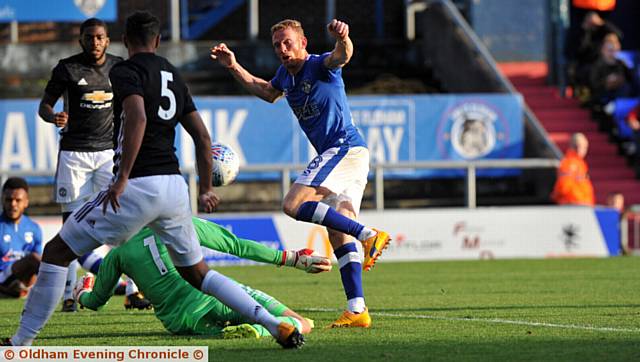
[500, 310]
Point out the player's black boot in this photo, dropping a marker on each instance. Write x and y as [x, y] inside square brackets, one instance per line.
[69, 305]
[136, 301]
[289, 337]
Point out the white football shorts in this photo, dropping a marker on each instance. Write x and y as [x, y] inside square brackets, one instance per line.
[342, 170]
[160, 202]
[79, 175]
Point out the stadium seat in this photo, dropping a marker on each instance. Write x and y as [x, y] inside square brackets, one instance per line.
[629, 57]
[622, 108]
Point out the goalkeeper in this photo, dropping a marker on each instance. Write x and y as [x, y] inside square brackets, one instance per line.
[181, 308]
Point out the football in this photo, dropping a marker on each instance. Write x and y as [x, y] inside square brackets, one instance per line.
[225, 164]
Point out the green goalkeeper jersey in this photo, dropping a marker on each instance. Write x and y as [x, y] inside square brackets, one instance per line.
[146, 260]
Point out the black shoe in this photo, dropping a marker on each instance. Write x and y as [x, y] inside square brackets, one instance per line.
[121, 289]
[6, 342]
[69, 305]
[137, 301]
[289, 337]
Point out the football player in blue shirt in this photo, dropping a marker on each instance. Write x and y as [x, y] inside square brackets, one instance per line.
[329, 191]
[21, 244]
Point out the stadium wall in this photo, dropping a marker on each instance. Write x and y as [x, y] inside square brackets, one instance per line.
[512, 30]
[439, 234]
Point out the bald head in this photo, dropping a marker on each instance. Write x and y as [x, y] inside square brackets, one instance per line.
[580, 144]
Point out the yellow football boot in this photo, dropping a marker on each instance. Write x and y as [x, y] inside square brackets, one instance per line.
[240, 331]
[349, 319]
[373, 248]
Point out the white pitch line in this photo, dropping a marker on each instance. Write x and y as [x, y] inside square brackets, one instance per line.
[492, 320]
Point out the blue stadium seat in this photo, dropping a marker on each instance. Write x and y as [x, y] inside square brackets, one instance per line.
[629, 57]
[622, 108]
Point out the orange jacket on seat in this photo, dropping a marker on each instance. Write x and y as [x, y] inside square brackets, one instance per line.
[573, 185]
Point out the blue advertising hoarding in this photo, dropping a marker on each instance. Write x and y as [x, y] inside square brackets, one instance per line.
[401, 128]
[58, 10]
[261, 229]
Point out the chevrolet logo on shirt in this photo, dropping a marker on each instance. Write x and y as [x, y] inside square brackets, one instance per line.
[97, 96]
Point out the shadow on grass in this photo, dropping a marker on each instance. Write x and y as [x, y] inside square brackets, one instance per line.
[92, 337]
[94, 323]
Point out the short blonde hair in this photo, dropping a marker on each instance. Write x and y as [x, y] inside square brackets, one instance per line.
[288, 23]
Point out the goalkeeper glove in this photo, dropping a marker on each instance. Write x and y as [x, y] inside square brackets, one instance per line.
[84, 285]
[307, 260]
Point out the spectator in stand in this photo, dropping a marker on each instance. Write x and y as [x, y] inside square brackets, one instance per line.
[634, 124]
[615, 200]
[573, 186]
[583, 49]
[21, 245]
[609, 77]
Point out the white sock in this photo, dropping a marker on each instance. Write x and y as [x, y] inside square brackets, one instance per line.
[366, 233]
[131, 287]
[356, 305]
[90, 260]
[72, 276]
[231, 294]
[41, 302]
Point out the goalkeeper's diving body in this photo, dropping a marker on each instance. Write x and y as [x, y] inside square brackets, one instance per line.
[182, 308]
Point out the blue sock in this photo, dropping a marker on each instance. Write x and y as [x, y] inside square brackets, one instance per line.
[323, 214]
[91, 262]
[351, 274]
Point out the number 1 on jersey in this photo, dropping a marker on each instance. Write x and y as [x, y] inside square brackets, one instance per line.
[167, 114]
[155, 253]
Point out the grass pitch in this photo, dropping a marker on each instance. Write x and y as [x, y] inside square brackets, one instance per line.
[504, 310]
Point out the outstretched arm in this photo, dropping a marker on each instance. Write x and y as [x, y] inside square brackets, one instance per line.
[254, 85]
[343, 50]
[216, 237]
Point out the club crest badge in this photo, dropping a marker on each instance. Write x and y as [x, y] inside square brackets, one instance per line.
[473, 130]
[306, 86]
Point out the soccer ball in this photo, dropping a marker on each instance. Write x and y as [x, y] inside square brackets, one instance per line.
[225, 164]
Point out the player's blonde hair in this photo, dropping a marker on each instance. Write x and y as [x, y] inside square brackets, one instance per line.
[288, 23]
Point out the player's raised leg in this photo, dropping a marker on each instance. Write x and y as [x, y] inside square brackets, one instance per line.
[339, 174]
[374, 241]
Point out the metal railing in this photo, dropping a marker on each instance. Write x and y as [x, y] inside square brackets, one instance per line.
[378, 169]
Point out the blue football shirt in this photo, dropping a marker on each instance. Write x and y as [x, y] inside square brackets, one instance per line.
[318, 99]
[18, 240]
